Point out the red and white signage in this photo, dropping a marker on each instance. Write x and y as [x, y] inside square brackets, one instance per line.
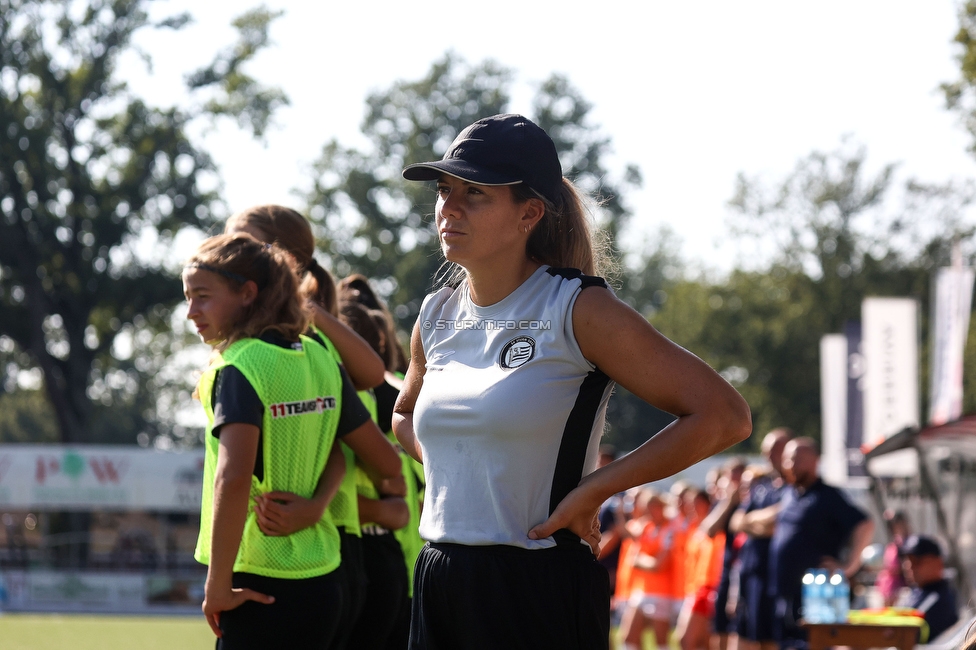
[87, 477]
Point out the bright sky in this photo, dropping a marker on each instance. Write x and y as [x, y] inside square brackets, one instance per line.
[692, 93]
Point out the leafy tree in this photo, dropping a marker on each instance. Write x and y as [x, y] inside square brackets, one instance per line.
[371, 221]
[561, 110]
[647, 288]
[960, 95]
[834, 234]
[24, 418]
[87, 171]
[368, 219]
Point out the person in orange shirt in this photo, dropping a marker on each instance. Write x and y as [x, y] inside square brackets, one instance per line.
[635, 513]
[683, 521]
[703, 570]
[651, 581]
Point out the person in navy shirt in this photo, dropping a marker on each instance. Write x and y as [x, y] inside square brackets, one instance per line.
[716, 523]
[756, 519]
[814, 524]
[932, 594]
[611, 522]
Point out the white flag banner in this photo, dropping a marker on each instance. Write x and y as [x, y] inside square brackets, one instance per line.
[833, 408]
[890, 345]
[950, 325]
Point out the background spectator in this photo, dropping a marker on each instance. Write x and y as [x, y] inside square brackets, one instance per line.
[755, 520]
[932, 594]
[814, 524]
[891, 578]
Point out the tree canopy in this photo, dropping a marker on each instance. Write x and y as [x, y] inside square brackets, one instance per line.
[833, 233]
[89, 171]
[91, 177]
[369, 220]
[960, 95]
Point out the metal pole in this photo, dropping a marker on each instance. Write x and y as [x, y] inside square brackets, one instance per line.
[928, 485]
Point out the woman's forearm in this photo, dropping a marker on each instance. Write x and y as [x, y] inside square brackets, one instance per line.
[683, 443]
[405, 435]
[331, 478]
[407, 399]
[391, 513]
[232, 489]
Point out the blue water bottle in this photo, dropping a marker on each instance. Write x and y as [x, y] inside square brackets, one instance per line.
[810, 589]
[842, 597]
[827, 595]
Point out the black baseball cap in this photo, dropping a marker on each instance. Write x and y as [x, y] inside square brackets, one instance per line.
[503, 149]
[921, 545]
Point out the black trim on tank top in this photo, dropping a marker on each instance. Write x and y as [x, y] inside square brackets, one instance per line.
[573, 445]
[576, 274]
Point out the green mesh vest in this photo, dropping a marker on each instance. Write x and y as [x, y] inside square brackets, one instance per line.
[302, 395]
[363, 484]
[408, 537]
[343, 509]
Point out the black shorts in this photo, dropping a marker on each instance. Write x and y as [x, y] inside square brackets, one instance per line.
[473, 597]
[386, 595]
[303, 615]
[721, 622]
[787, 630]
[756, 609]
[353, 579]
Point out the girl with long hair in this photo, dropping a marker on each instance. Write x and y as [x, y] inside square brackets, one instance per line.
[282, 512]
[275, 402]
[286, 228]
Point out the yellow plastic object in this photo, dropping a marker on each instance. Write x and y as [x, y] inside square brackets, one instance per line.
[892, 616]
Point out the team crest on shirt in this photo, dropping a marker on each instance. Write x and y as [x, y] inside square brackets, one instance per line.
[517, 352]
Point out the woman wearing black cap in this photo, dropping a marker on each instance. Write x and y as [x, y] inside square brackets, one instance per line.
[504, 402]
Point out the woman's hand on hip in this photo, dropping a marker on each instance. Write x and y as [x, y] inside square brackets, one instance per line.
[577, 514]
[222, 599]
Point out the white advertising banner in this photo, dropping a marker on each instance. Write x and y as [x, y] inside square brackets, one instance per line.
[99, 477]
[890, 347]
[833, 408]
[42, 590]
[950, 326]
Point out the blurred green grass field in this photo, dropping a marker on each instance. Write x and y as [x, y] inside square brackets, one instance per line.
[98, 632]
[95, 632]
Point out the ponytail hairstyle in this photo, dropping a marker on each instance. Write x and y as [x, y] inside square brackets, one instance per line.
[563, 237]
[284, 227]
[382, 326]
[392, 354]
[357, 318]
[278, 307]
[356, 288]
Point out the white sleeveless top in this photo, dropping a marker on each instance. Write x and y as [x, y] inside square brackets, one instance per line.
[510, 414]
